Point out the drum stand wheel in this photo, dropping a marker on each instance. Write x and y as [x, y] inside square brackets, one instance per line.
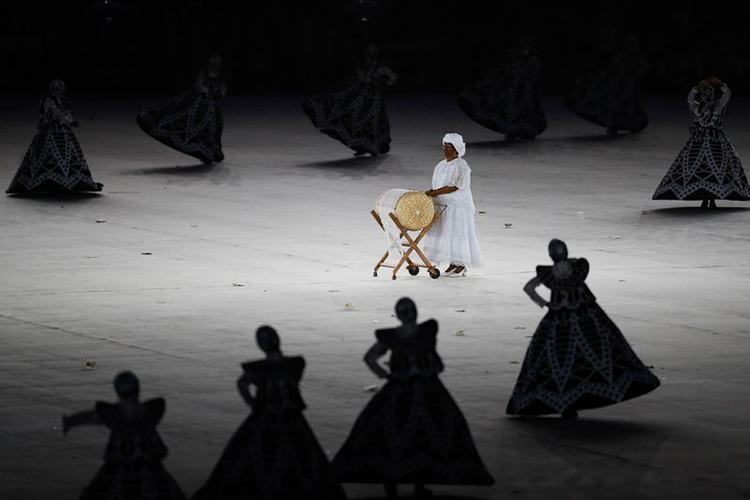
[411, 245]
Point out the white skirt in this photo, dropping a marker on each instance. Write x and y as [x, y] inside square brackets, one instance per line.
[453, 240]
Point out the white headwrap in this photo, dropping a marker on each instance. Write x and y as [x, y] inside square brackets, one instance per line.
[457, 141]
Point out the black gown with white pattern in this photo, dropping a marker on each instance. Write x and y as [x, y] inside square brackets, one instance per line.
[577, 357]
[274, 455]
[353, 111]
[54, 161]
[611, 96]
[708, 167]
[507, 99]
[191, 122]
[411, 431]
[133, 467]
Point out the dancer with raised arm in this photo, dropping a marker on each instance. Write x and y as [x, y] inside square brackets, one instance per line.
[132, 467]
[708, 167]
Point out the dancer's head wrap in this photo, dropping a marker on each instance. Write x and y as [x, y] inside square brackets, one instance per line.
[456, 141]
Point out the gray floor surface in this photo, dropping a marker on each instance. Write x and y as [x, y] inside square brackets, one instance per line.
[191, 259]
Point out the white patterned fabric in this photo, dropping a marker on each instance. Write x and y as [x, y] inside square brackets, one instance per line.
[453, 239]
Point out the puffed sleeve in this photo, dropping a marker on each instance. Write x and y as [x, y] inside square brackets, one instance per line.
[430, 328]
[461, 175]
[154, 411]
[580, 270]
[544, 273]
[297, 367]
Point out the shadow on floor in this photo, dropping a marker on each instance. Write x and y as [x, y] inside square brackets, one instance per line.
[193, 169]
[216, 173]
[695, 210]
[59, 197]
[541, 140]
[584, 429]
[354, 161]
[357, 167]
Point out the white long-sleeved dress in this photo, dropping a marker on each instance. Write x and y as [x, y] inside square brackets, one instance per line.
[453, 240]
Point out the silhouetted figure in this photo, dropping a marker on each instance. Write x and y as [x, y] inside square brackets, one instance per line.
[132, 467]
[577, 358]
[610, 96]
[192, 122]
[353, 111]
[411, 431]
[54, 161]
[274, 455]
[507, 99]
[708, 168]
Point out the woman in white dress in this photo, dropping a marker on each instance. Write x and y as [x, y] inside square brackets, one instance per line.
[453, 239]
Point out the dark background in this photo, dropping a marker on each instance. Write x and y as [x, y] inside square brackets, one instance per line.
[154, 46]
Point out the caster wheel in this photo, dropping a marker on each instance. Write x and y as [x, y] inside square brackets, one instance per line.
[375, 274]
[413, 270]
[393, 277]
[434, 273]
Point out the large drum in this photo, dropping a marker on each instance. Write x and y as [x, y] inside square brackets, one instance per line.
[413, 209]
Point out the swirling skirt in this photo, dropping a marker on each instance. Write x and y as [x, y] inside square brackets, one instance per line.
[191, 123]
[272, 457]
[353, 113]
[504, 105]
[578, 359]
[411, 432]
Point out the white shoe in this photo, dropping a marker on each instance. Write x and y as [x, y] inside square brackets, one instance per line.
[458, 274]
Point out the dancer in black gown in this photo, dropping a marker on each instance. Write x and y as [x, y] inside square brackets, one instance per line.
[274, 455]
[610, 96]
[507, 99]
[708, 168]
[132, 467]
[54, 161]
[577, 358]
[192, 122]
[353, 111]
[411, 431]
